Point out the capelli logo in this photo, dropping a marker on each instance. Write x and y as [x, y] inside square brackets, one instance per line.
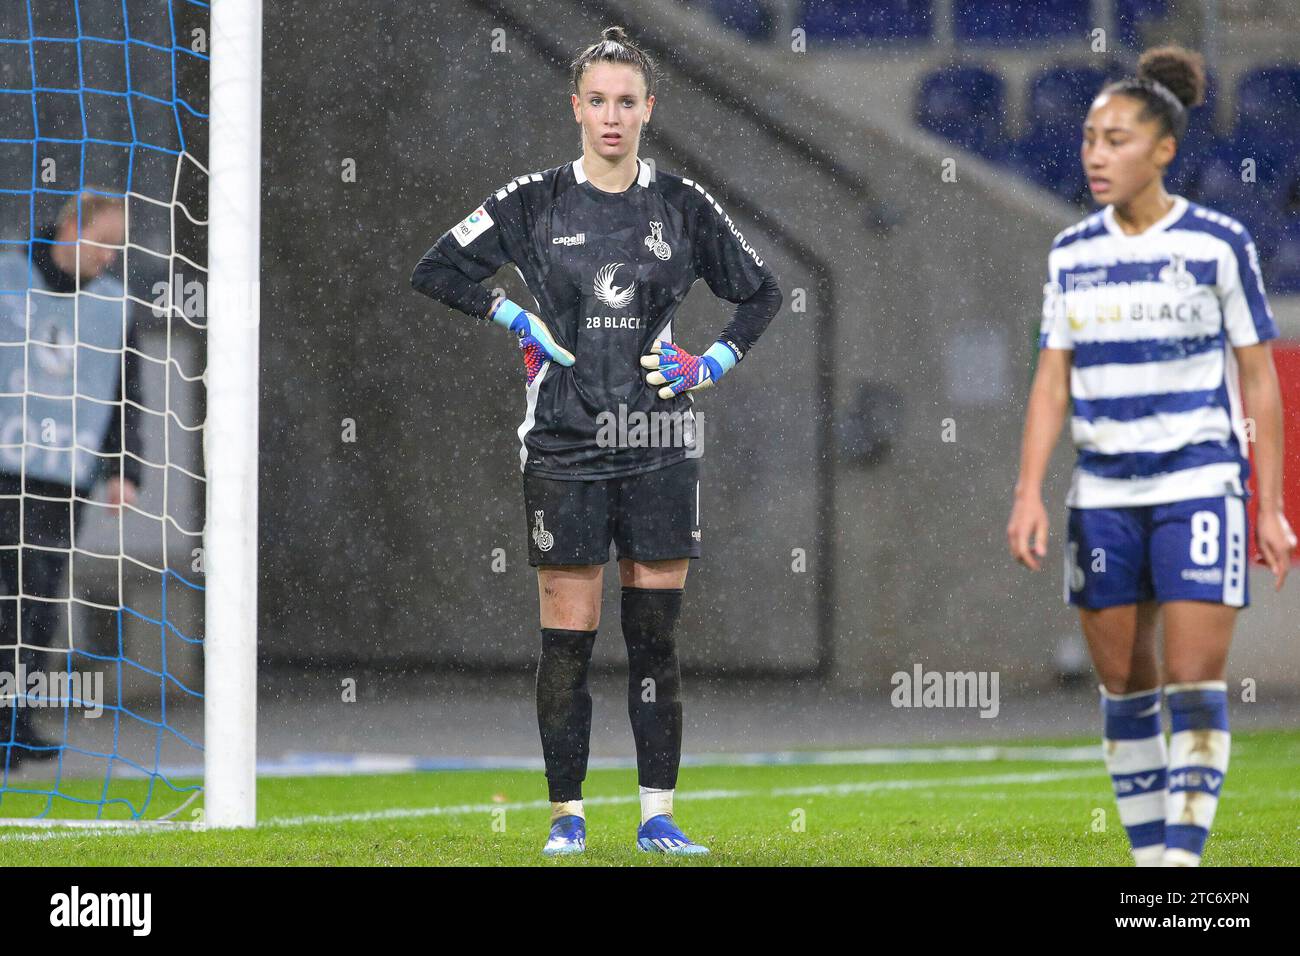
[579, 240]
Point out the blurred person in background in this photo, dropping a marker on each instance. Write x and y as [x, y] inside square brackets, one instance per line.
[62, 324]
[1156, 326]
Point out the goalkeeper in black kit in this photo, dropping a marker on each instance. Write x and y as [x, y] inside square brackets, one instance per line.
[608, 247]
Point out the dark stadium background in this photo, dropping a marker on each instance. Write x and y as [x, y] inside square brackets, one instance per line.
[911, 309]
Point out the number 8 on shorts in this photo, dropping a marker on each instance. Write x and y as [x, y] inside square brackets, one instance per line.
[1192, 550]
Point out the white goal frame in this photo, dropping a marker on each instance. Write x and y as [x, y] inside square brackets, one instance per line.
[230, 438]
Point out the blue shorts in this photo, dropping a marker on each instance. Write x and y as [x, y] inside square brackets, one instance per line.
[1191, 550]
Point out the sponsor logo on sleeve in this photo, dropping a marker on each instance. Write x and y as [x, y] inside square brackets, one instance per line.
[472, 226]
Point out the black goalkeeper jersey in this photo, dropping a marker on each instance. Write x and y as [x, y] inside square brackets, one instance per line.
[608, 272]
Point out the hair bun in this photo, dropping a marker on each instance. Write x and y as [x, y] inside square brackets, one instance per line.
[615, 46]
[1178, 69]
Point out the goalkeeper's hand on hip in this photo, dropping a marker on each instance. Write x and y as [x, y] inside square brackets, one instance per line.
[676, 370]
[535, 339]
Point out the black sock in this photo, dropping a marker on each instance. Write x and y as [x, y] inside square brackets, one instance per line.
[654, 682]
[564, 709]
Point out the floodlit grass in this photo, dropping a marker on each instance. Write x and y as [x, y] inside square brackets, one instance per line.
[999, 813]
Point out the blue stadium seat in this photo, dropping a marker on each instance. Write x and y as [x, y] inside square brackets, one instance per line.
[751, 18]
[1062, 94]
[965, 104]
[1268, 97]
[1219, 185]
[1129, 15]
[868, 19]
[1015, 21]
[1282, 269]
[1048, 153]
[1268, 121]
[1200, 141]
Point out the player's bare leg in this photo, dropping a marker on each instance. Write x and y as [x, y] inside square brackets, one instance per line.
[1197, 637]
[1122, 644]
[653, 574]
[570, 596]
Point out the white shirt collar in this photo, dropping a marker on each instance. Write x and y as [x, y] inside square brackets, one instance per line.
[642, 176]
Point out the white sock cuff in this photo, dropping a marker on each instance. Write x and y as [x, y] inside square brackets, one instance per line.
[1137, 693]
[568, 808]
[1152, 855]
[1197, 685]
[655, 802]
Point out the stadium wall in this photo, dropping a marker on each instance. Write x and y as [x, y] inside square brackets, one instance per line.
[402, 542]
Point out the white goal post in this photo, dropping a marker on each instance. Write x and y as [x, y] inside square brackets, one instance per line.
[230, 543]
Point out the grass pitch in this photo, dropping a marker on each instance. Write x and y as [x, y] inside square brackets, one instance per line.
[967, 813]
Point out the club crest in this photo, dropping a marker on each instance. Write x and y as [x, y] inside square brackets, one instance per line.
[655, 241]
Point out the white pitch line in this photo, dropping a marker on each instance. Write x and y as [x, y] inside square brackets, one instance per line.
[469, 809]
[296, 764]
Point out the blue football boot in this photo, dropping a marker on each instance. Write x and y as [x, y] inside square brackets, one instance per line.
[661, 835]
[568, 835]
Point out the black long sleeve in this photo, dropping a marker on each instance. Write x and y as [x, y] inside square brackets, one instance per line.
[752, 316]
[439, 279]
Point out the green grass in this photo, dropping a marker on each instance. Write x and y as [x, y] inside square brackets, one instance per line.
[924, 814]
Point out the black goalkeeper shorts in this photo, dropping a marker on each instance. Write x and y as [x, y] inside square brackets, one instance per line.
[654, 516]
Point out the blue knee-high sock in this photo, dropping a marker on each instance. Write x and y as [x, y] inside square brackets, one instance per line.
[1198, 762]
[1134, 749]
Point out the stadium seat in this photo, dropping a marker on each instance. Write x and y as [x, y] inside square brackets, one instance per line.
[1282, 269]
[1265, 96]
[1062, 94]
[1129, 15]
[1267, 129]
[1015, 21]
[1201, 139]
[868, 19]
[751, 18]
[1048, 153]
[1266, 141]
[965, 104]
[1219, 185]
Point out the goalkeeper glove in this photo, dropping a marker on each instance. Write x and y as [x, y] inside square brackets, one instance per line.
[535, 339]
[677, 370]
[534, 357]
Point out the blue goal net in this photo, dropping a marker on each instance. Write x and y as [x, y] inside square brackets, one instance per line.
[103, 196]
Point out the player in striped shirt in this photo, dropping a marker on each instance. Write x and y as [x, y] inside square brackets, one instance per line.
[1155, 326]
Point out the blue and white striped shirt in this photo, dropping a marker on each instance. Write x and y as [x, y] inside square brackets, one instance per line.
[1157, 413]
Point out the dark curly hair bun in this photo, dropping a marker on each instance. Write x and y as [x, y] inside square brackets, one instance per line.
[1179, 70]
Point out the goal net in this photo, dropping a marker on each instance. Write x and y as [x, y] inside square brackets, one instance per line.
[115, 411]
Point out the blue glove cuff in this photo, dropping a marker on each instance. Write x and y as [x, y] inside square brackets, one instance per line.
[507, 314]
[720, 359]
